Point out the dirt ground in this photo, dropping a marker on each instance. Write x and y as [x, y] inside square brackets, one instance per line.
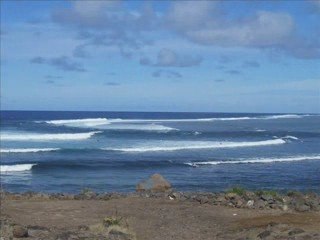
[160, 219]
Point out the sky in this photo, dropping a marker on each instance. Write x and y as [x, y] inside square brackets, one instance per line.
[191, 56]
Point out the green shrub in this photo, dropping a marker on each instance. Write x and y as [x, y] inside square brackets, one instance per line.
[267, 192]
[237, 190]
[112, 221]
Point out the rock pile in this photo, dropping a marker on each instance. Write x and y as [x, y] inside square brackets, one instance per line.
[158, 187]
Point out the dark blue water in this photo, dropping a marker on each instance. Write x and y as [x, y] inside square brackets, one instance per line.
[112, 151]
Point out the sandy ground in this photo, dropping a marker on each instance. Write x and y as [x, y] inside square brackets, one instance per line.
[161, 219]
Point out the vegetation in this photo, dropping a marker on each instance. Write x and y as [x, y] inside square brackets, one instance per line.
[267, 192]
[237, 190]
[112, 221]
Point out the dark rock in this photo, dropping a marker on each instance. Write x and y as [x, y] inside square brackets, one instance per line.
[203, 199]
[295, 231]
[264, 234]
[156, 183]
[267, 197]
[115, 234]
[19, 231]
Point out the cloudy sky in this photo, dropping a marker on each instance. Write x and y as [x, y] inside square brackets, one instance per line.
[217, 56]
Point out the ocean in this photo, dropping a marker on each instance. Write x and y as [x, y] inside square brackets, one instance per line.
[112, 151]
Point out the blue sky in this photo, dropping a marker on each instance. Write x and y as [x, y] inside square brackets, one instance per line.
[216, 56]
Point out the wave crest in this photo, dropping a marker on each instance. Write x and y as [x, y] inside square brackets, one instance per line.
[16, 168]
[190, 145]
[258, 160]
[27, 150]
[46, 136]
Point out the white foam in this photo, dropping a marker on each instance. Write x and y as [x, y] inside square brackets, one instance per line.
[209, 119]
[139, 127]
[189, 145]
[88, 122]
[27, 150]
[16, 168]
[257, 160]
[114, 124]
[96, 122]
[24, 136]
[284, 116]
[291, 137]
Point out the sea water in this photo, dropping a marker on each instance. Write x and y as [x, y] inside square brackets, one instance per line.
[112, 151]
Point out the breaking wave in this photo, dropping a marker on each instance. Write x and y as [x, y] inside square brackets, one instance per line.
[27, 150]
[256, 160]
[93, 122]
[88, 122]
[291, 137]
[45, 136]
[189, 145]
[16, 168]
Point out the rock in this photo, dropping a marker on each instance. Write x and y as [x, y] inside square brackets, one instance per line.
[302, 208]
[264, 234]
[295, 231]
[239, 203]
[176, 195]
[285, 207]
[231, 196]
[260, 204]
[250, 203]
[19, 231]
[116, 234]
[156, 183]
[267, 197]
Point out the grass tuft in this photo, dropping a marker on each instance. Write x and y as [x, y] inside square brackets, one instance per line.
[237, 190]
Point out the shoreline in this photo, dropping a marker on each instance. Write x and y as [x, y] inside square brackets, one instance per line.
[161, 215]
[236, 197]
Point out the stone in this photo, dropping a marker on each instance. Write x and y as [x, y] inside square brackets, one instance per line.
[285, 207]
[250, 203]
[115, 234]
[175, 195]
[260, 204]
[231, 195]
[264, 234]
[156, 183]
[295, 231]
[267, 197]
[239, 203]
[19, 231]
[302, 208]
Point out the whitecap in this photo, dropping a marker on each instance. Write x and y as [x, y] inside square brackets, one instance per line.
[25, 136]
[27, 150]
[16, 168]
[87, 122]
[256, 160]
[191, 145]
[291, 137]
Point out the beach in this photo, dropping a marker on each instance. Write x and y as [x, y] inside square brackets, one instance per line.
[161, 215]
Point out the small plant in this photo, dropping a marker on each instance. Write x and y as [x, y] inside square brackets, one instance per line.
[237, 190]
[267, 192]
[112, 221]
[86, 190]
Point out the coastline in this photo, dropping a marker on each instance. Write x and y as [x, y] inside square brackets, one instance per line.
[235, 214]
